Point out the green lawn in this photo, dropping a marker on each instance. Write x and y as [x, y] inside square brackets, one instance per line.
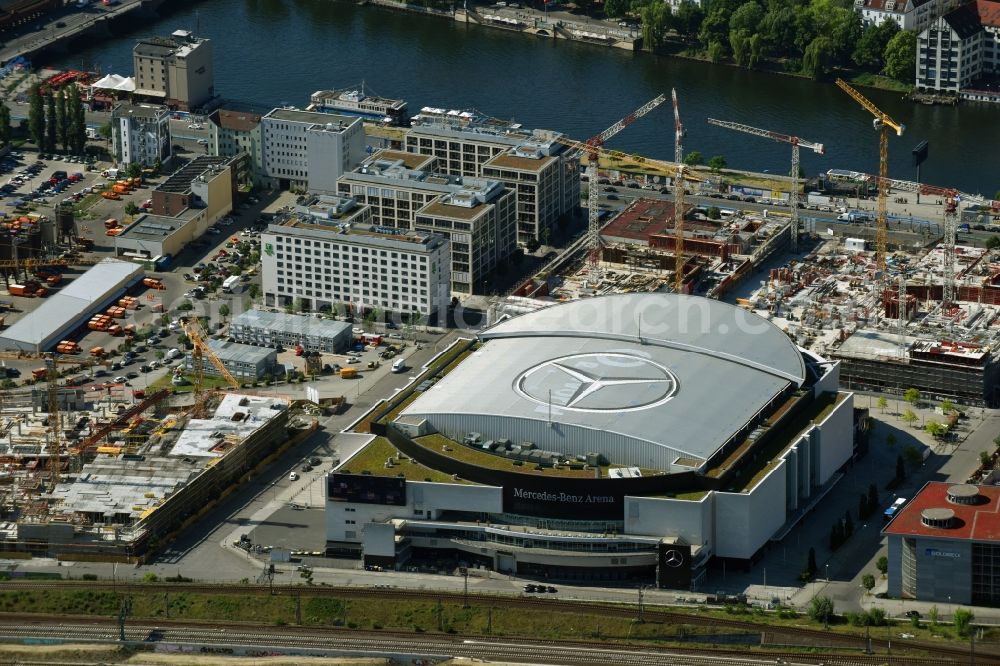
[372, 459]
[209, 382]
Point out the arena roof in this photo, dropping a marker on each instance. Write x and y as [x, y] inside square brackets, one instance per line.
[666, 377]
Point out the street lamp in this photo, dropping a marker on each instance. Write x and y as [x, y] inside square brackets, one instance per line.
[827, 573]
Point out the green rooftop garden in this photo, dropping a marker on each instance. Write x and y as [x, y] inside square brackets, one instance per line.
[372, 459]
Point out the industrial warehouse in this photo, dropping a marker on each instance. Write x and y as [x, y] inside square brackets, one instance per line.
[68, 309]
[590, 440]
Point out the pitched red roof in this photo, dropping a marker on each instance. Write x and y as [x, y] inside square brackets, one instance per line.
[976, 522]
[989, 12]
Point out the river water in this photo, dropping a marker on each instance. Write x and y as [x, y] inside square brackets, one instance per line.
[271, 52]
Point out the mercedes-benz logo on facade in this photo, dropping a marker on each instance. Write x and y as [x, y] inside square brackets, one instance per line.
[673, 558]
[598, 382]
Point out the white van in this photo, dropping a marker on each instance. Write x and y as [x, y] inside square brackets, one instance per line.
[398, 365]
[174, 353]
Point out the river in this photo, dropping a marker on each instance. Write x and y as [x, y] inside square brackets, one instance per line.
[271, 52]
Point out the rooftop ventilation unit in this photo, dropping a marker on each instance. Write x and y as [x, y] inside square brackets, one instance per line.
[964, 493]
[937, 518]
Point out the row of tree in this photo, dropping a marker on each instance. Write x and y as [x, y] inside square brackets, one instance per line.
[57, 118]
[811, 36]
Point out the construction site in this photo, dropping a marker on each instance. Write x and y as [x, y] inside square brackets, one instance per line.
[900, 310]
[99, 472]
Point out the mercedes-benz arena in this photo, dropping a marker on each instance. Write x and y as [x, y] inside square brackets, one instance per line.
[627, 436]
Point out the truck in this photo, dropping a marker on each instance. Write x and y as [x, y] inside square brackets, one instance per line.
[110, 223]
[110, 174]
[817, 199]
[229, 283]
[856, 217]
[153, 283]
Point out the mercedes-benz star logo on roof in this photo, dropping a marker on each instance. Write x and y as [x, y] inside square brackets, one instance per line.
[673, 558]
[598, 382]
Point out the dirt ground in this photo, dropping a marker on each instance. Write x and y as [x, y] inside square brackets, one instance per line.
[82, 655]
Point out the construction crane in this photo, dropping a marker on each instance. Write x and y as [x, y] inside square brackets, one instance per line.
[592, 149]
[200, 352]
[952, 198]
[678, 196]
[793, 195]
[55, 431]
[882, 123]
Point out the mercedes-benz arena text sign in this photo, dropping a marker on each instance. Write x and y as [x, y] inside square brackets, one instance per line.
[598, 382]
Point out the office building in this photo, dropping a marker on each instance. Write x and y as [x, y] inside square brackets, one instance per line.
[310, 150]
[959, 49]
[245, 362]
[176, 71]
[340, 261]
[278, 329]
[140, 133]
[537, 166]
[944, 545]
[479, 219]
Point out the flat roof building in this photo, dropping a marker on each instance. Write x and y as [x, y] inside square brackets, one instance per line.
[176, 70]
[338, 262]
[311, 150]
[944, 545]
[244, 361]
[532, 163]
[274, 329]
[480, 221]
[70, 307]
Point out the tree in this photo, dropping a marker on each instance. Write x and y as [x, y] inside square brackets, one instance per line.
[223, 310]
[159, 354]
[882, 401]
[757, 52]
[254, 292]
[848, 524]
[655, 24]
[910, 416]
[946, 406]
[890, 440]
[616, 8]
[131, 209]
[51, 133]
[992, 242]
[716, 52]
[868, 582]
[821, 609]
[694, 158]
[36, 117]
[837, 535]
[962, 619]
[817, 57]
[105, 131]
[882, 564]
[935, 429]
[715, 28]
[299, 305]
[778, 28]
[688, 19]
[717, 163]
[76, 120]
[900, 468]
[811, 563]
[901, 56]
[932, 615]
[912, 396]
[62, 120]
[739, 42]
[873, 496]
[996, 441]
[864, 510]
[5, 128]
[871, 47]
[747, 16]
[714, 213]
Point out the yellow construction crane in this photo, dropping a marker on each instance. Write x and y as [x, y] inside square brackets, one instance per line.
[200, 352]
[882, 123]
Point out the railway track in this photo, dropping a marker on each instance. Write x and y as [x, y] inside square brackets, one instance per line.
[809, 636]
[235, 640]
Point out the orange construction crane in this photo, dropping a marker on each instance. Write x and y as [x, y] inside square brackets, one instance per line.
[882, 123]
[678, 197]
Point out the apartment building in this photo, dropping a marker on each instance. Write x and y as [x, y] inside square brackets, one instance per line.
[278, 329]
[175, 70]
[140, 133]
[479, 220]
[950, 53]
[233, 132]
[395, 185]
[343, 261]
[469, 145]
[912, 15]
[310, 150]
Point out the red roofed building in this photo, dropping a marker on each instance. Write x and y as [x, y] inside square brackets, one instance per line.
[944, 545]
[959, 49]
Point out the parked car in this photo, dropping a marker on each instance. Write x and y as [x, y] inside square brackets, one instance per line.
[293, 476]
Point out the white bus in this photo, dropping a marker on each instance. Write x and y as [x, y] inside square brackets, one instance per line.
[229, 283]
